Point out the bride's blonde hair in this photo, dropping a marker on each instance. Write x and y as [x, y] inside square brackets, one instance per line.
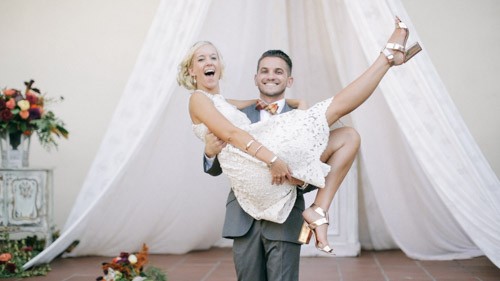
[183, 77]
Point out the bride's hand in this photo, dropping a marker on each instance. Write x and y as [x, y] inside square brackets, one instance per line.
[280, 172]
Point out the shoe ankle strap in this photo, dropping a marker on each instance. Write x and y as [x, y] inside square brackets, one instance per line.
[390, 55]
[324, 217]
[319, 210]
[395, 47]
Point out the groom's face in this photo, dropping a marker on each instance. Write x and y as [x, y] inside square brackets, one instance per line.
[273, 77]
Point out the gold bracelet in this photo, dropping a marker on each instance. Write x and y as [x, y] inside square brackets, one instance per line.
[272, 161]
[249, 144]
[257, 150]
[303, 186]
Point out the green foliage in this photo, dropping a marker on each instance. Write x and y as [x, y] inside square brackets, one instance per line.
[15, 253]
[155, 274]
[48, 127]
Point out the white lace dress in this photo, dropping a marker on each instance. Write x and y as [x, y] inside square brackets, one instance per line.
[298, 137]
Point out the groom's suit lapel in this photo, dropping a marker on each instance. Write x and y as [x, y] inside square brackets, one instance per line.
[252, 113]
[286, 108]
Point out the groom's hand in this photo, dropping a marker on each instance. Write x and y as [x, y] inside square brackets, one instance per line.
[213, 145]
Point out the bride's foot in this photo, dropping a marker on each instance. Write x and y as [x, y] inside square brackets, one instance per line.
[395, 51]
[316, 222]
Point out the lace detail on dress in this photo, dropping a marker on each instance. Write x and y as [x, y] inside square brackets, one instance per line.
[299, 137]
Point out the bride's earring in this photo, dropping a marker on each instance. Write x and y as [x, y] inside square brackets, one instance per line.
[194, 80]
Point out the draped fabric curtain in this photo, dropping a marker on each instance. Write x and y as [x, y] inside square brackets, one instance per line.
[425, 186]
[445, 193]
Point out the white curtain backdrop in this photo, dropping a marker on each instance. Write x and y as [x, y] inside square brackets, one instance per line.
[425, 186]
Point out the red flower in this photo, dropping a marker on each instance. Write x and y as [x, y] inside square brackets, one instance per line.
[6, 115]
[11, 267]
[32, 97]
[27, 248]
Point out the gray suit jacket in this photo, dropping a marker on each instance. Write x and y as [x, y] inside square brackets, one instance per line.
[237, 222]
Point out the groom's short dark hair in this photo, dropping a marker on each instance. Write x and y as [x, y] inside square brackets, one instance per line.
[277, 54]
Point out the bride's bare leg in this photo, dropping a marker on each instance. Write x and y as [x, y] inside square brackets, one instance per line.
[343, 144]
[360, 89]
[340, 153]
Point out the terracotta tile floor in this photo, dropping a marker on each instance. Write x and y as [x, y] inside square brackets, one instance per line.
[217, 265]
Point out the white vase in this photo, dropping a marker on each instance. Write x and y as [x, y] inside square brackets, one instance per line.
[15, 148]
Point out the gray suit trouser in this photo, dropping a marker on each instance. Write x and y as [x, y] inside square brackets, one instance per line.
[267, 251]
[282, 257]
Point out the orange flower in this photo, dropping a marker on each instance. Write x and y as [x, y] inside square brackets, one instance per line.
[142, 256]
[24, 114]
[5, 257]
[40, 108]
[9, 92]
[11, 103]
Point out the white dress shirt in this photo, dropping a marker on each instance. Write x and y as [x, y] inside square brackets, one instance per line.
[264, 114]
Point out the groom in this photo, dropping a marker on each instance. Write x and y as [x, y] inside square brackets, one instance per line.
[264, 250]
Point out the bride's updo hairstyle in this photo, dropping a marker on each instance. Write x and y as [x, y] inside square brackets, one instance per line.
[183, 77]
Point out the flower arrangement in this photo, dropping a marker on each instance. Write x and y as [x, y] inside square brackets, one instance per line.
[25, 113]
[129, 267]
[15, 253]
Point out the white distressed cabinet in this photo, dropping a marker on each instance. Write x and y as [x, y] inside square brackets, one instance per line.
[26, 202]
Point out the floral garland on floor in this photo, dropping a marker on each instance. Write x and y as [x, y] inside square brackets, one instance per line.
[130, 267]
[15, 253]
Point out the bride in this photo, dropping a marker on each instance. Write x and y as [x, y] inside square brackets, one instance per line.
[262, 159]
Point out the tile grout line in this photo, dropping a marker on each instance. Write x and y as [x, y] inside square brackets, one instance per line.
[181, 261]
[174, 265]
[216, 265]
[75, 275]
[425, 270]
[339, 270]
[380, 267]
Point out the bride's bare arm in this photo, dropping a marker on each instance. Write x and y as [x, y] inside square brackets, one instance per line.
[202, 110]
[297, 103]
[294, 103]
[240, 104]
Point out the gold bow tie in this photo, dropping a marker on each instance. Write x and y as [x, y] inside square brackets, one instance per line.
[272, 108]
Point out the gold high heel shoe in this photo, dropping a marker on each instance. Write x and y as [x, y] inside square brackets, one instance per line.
[309, 228]
[408, 53]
